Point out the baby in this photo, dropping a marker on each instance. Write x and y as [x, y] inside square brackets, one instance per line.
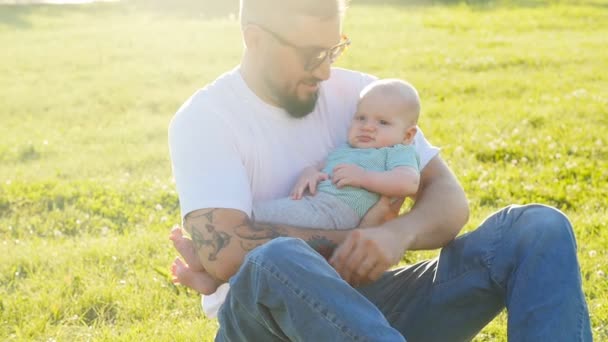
[379, 159]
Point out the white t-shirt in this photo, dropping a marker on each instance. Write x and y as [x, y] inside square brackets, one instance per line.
[229, 148]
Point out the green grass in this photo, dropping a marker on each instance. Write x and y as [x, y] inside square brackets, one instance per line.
[515, 92]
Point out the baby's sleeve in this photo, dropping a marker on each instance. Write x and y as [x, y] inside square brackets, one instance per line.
[402, 155]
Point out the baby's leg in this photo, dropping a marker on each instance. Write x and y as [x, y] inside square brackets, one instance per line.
[186, 249]
[197, 280]
[191, 274]
[321, 211]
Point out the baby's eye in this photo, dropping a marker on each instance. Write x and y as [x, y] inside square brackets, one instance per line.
[360, 118]
[384, 122]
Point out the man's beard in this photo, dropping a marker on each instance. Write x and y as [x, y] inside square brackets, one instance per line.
[294, 106]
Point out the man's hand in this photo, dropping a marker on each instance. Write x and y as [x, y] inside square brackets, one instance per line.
[349, 174]
[309, 179]
[367, 253]
[440, 211]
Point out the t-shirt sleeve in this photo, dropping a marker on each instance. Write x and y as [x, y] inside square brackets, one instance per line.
[425, 150]
[402, 155]
[208, 170]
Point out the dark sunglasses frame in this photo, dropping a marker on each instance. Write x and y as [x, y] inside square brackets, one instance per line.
[311, 62]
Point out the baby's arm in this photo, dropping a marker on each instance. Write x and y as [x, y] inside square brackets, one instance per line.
[309, 178]
[402, 181]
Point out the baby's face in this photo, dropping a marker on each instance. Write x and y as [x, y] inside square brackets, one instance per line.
[378, 122]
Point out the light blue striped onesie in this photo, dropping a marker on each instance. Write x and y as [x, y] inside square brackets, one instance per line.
[333, 208]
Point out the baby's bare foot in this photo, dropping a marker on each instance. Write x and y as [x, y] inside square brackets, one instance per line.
[185, 247]
[196, 280]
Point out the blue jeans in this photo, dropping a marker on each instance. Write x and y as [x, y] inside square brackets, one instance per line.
[522, 258]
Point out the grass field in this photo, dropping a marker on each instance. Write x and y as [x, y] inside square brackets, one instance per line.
[516, 94]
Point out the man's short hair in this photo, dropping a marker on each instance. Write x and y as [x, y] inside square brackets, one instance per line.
[269, 11]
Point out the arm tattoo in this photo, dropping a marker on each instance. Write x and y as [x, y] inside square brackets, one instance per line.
[217, 240]
[256, 234]
[207, 214]
[323, 245]
[250, 235]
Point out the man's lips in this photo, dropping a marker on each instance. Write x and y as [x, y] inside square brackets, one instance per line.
[310, 86]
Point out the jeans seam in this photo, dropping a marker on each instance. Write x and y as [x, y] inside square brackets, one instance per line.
[254, 317]
[514, 273]
[498, 243]
[288, 285]
[465, 273]
[487, 261]
[581, 320]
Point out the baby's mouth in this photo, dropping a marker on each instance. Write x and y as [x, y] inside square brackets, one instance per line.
[365, 138]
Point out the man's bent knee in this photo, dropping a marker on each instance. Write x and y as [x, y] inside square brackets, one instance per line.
[537, 221]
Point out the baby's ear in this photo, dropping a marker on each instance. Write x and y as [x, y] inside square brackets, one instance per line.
[410, 133]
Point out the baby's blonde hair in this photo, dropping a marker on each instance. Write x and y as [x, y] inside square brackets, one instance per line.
[401, 90]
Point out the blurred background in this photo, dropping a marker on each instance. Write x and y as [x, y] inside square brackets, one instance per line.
[515, 93]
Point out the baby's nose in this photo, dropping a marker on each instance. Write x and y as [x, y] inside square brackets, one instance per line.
[369, 126]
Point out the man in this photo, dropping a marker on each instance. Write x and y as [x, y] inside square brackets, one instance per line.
[247, 136]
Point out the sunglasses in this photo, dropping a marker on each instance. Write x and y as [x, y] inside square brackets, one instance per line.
[312, 57]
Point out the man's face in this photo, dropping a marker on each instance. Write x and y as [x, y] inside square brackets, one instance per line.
[286, 72]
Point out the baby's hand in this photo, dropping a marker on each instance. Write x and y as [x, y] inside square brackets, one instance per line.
[309, 179]
[349, 174]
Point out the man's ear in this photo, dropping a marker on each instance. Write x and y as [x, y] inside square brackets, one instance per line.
[251, 37]
[410, 133]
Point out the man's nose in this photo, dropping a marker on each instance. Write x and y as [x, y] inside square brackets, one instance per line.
[323, 71]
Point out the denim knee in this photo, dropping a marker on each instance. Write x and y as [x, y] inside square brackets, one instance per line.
[541, 224]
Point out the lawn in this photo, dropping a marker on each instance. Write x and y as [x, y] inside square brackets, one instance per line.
[515, 93]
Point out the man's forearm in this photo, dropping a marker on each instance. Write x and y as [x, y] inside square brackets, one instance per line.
[223, 237]
[439, 213]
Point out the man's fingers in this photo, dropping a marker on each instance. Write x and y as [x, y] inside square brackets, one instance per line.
[343, 251]
[341, 257]
[358, 255]
[363, 274]
[381, 266]
[377, 271]
[361, 261]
